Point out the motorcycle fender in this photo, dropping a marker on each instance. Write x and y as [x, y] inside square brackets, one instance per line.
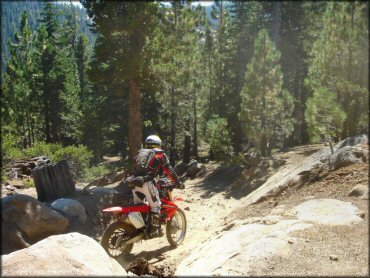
[136, 219]
[113, 209]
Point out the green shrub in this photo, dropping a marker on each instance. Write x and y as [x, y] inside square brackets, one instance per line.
[237, 159]
[78, 158]
[10, 148]
[218, 137]
[95, 172]
[30, 183]
[42, 148]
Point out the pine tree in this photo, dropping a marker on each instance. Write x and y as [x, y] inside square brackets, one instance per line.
[324, 115]
[262, 95]
[340, 61]
[47, 51]
[126, 27]
[19, 105]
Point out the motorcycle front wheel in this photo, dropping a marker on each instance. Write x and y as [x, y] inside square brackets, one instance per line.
[176, 228]
[114, 237]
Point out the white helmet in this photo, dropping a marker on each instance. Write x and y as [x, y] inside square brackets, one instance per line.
[153, 141]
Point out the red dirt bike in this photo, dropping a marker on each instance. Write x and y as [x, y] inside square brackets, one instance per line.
[130, 225]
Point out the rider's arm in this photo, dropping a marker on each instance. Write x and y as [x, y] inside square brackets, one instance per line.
[158, 161]
[172, 174]
[170, 171]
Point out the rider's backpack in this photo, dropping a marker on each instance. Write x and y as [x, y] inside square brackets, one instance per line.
[142, 160]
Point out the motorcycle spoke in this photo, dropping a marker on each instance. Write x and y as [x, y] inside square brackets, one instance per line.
[116, 240]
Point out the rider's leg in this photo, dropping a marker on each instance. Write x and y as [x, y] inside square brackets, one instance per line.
[152, 196]
[138, 196]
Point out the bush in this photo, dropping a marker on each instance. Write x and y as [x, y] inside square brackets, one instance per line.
[42, 148]
[237, 159]
[219, 137]
[30, 183]
[78, 157]
[9, 148]
[95, 172]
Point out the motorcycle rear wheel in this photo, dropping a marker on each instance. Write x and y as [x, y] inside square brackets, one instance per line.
[176, 228]
[117, 231]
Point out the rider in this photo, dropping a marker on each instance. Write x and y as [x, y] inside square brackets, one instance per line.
[150, 162]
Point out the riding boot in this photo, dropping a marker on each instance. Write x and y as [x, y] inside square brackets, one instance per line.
[154, 225]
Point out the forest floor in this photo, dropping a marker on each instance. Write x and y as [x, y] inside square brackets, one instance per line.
[209, 209]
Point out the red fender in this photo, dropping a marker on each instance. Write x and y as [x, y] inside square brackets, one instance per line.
[140, 208]
[113, 209]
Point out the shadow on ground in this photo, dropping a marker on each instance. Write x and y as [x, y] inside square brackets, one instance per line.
[220, 180]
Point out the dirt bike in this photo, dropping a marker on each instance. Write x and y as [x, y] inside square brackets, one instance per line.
[130, 225]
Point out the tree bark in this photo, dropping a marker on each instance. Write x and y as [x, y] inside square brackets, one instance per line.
[195, 137]
[277, 20]
[173, 128]
[135, 128]
[210, 85]
[350, 122]
[46, 111]
[187, 145]
[53, 181]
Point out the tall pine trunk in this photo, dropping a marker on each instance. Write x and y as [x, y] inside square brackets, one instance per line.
[135, 128]
[46, 112]
[210, 85]
[195, 137]
[173, 127]
[276, 22]
[350, 122]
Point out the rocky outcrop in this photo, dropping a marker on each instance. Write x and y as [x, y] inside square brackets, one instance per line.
[258, 170]
[346, 156]
[70, 208]
[194, 167]
[109, 178]
[328, 212]
[22, 168]
[191, 169]
[180, 168]
[25, 221]
[360, 191]
[241, 245]
[307, 170]
[70, 254]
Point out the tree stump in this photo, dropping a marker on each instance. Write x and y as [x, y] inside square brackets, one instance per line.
[53, 181]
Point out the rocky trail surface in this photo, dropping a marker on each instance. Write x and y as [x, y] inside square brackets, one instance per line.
[226, 237]
[317, 223]
[204, 210]
[305, 216]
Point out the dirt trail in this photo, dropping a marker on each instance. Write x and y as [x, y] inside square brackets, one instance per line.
[205, 210]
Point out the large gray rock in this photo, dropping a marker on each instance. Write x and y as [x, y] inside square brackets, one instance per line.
[70, 208]
[25, 221]
[238, 249]
[193, 168]
[286, 177]
[346, 156]
[70, 254]
[361, 191]
[181, 168]
[244, 245]
[353, 141]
